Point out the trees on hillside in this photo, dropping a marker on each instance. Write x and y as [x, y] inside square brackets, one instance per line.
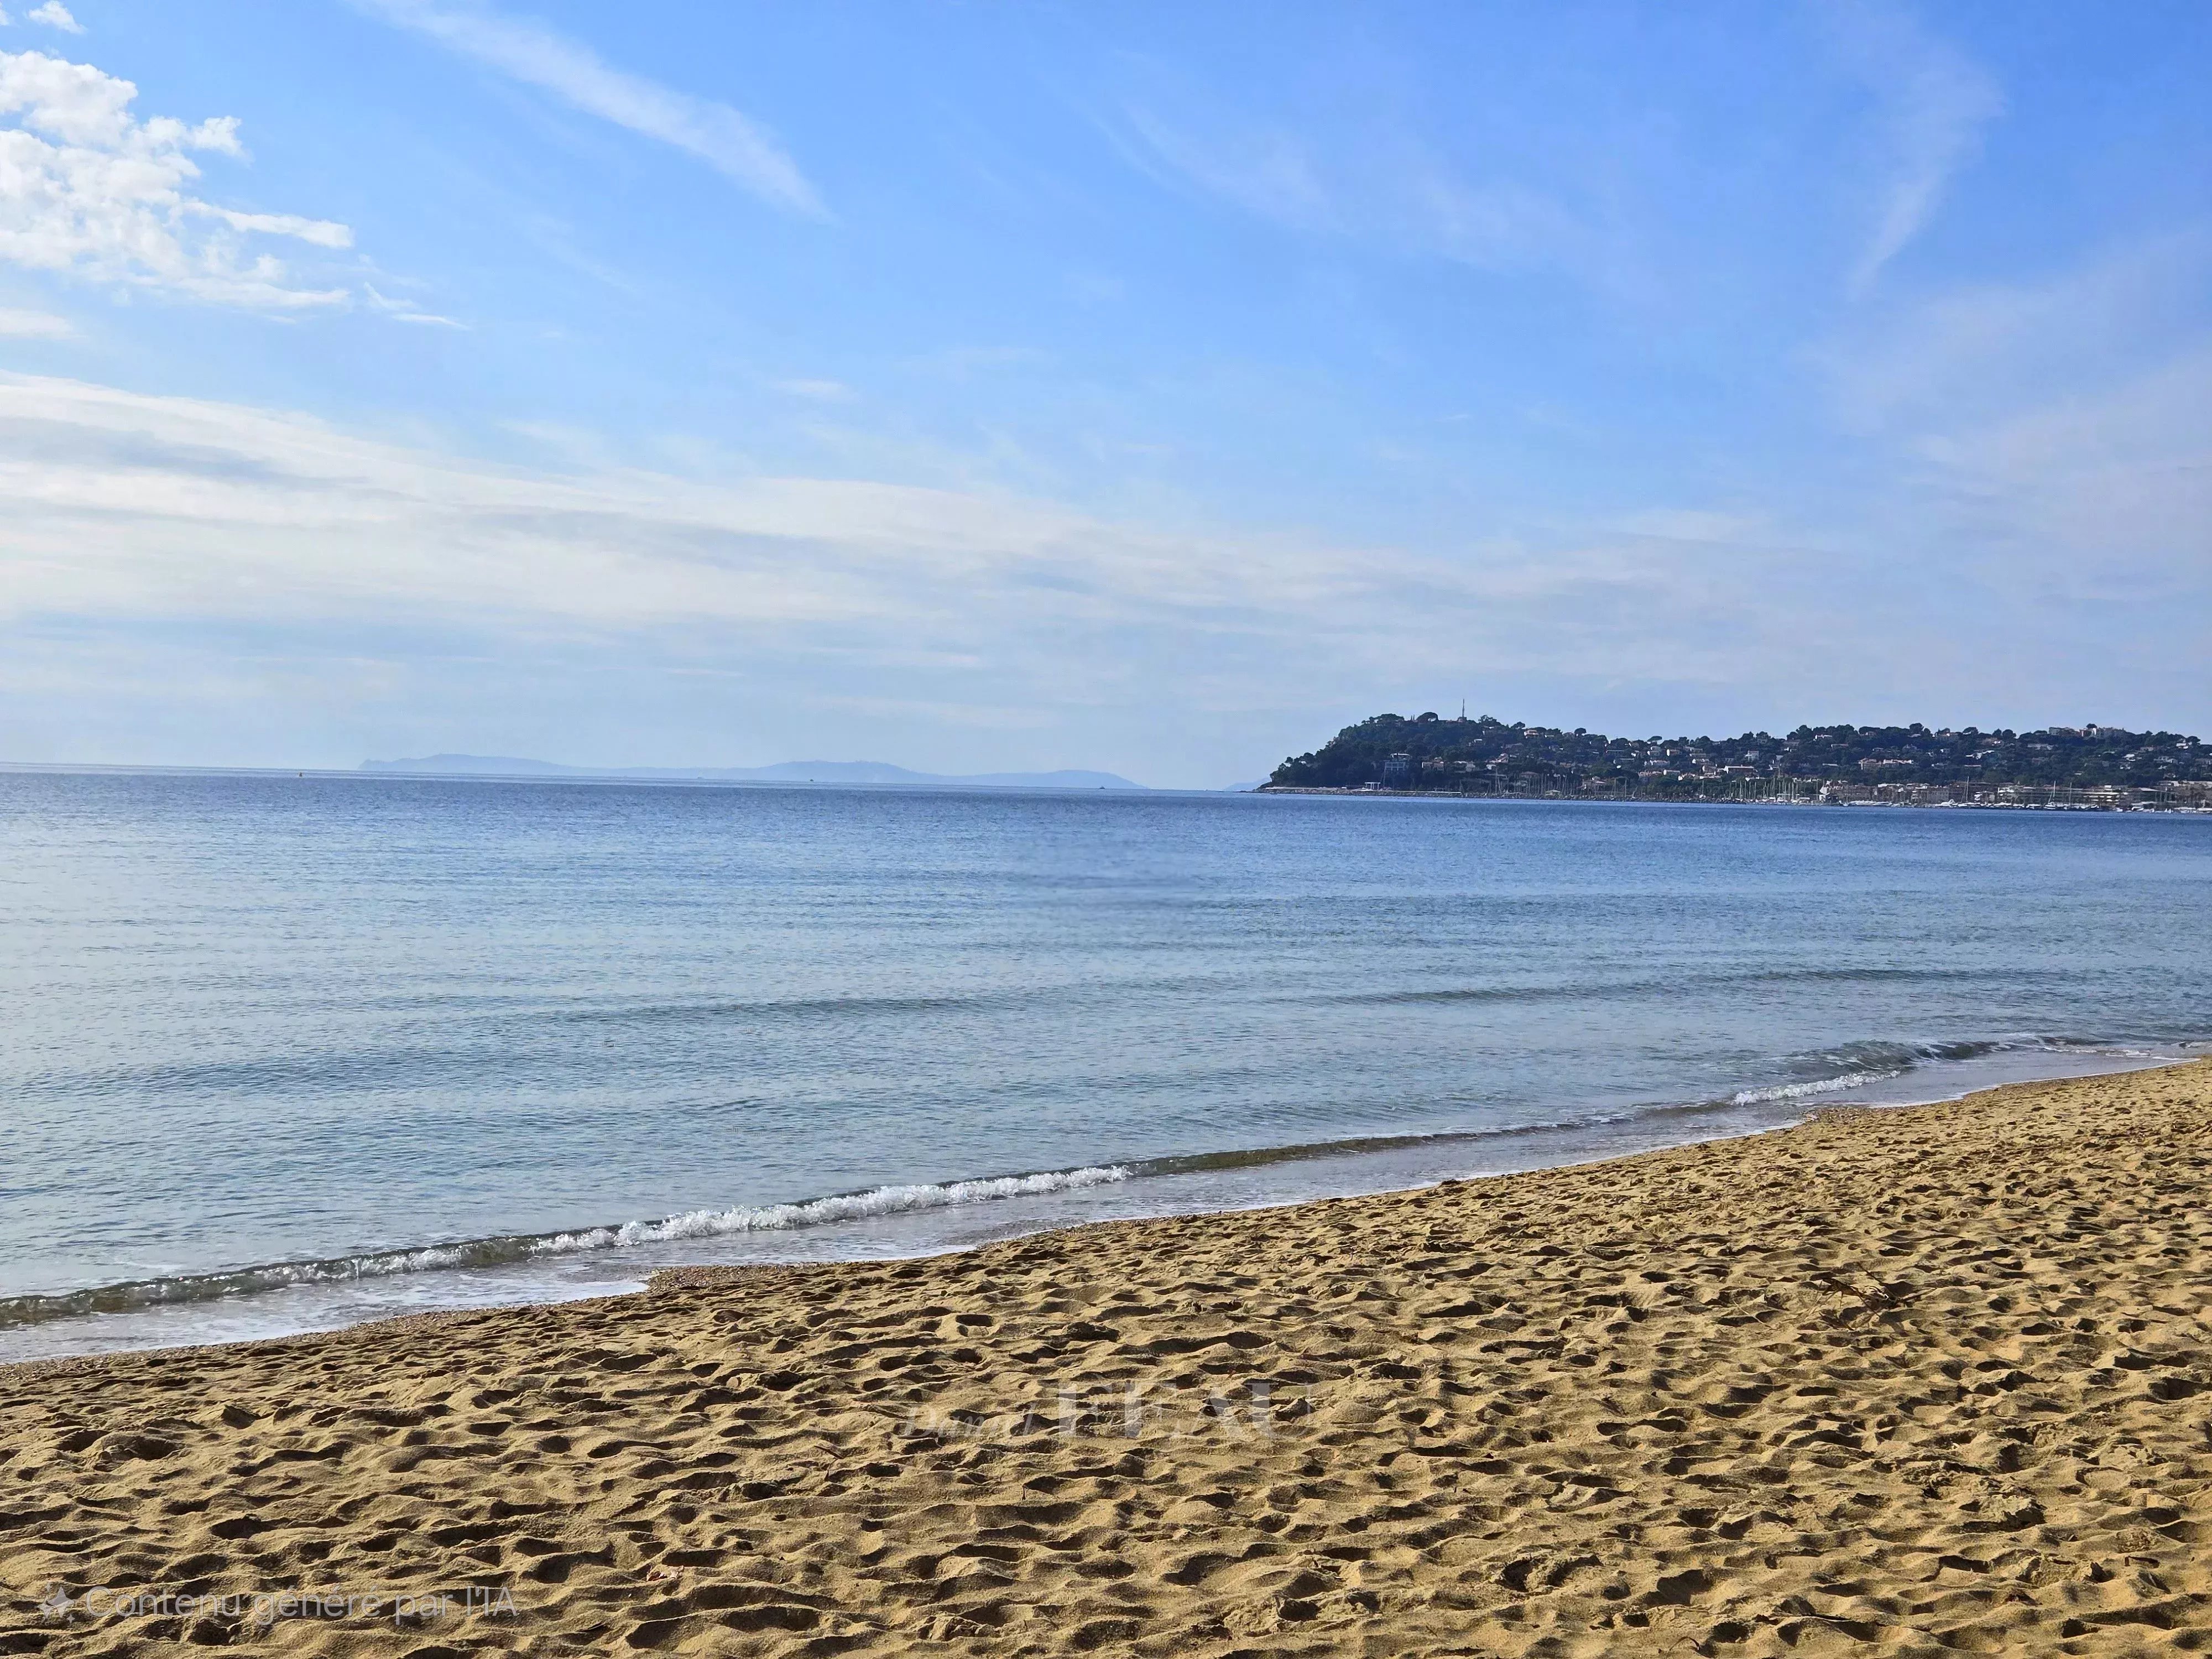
[1487, 756]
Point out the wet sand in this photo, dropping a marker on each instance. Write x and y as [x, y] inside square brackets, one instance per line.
[1914, 1382]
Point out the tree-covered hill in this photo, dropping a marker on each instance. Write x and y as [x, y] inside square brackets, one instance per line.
[1488, 755]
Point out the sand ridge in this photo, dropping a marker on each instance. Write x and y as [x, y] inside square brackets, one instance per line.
[1913, 1381]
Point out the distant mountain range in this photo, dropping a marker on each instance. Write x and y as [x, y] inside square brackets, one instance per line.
[875, 772]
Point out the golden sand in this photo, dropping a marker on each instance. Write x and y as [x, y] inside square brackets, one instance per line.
[1895, 1383]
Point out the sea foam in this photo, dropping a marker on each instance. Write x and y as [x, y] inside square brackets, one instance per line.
[821, 1212]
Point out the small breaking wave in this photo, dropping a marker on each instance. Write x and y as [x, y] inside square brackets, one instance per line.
[1859, 1065]
[511, 1248]
[1821, 1086]
[824, 1211]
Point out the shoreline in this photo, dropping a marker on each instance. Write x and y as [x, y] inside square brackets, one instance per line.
[704, 1273]
[657, 1238]
[1931, 1377]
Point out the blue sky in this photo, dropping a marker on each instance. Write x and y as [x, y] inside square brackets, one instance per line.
[1154, 388]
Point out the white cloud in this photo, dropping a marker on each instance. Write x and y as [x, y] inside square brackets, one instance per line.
[1982, 350]
[55, 15]
[1934, 103]
[716, 134]
[1380, 183]
[1270, 173]
[166, 521]
[2048, 443]
[322, 232]
[34, 325]
[2096, 491]
[122, 506]
[89, 188]
[406, 311]
[1694, 524]
[817, 391]
[1495, 177]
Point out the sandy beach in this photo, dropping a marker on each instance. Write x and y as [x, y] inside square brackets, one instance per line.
[1912, 1382]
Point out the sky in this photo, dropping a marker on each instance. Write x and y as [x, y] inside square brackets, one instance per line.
[1148, 387]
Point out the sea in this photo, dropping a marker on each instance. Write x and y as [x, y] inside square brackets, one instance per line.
[280, 1053]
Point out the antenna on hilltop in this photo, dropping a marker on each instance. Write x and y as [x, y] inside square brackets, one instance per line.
[1462, 708]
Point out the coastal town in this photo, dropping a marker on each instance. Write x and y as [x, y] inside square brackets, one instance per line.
[2090, 768]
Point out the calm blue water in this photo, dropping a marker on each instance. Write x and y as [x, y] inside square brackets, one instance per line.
[263, 1042]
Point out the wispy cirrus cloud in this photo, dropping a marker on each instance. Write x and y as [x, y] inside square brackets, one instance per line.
[17, 325]
[1383, 184]
[210, 512]
[2064, 421]
[726, 141]
[1984, 351]
[1934, 103]
[816, 390]
[407, 311]
[89, 188]
[178, 526]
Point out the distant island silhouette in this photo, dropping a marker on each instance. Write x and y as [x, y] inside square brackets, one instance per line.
[874, 772]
